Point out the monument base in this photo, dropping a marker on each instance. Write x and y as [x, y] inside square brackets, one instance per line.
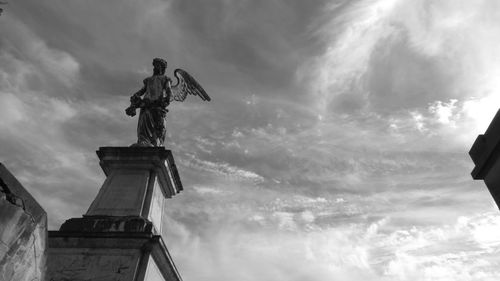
[127, 256]
[118, 238]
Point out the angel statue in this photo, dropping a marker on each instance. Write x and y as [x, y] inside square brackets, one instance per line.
[157, 93]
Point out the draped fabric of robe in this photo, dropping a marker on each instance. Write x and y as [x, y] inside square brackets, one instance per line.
[151, 128]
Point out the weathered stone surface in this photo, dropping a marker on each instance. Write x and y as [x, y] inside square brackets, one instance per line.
[109, 257]
[107, 224]
[122, 194]
[139, 179]
[155, 213]
[93, 264]
[23, 232]
[119, 236]
[156, 158]
[153, 273]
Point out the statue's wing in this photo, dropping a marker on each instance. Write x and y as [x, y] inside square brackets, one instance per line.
[185, 85]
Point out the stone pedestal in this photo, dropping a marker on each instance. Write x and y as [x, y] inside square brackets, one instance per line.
[86, 256]
[119, 236]
[485, 153]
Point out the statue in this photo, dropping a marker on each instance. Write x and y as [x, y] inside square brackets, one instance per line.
[157, 93]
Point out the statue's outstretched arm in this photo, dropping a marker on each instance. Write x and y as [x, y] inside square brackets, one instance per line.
[135, 101]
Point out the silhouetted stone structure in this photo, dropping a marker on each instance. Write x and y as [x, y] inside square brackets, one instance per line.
[485, 154]
[23, 232]
[119, 236]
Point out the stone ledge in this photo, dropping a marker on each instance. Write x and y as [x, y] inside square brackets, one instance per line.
[85, 244]
[107, 224]
[158, 158]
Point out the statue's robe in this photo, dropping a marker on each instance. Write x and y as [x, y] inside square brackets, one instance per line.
[151, 127]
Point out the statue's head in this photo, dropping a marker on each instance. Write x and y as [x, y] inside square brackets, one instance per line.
[159, 66]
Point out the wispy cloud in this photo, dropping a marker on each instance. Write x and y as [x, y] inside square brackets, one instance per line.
[334, 146]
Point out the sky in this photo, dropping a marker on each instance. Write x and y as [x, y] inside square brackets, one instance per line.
[335, 146]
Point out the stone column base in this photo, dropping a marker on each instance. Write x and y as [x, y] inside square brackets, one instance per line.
[113, 255]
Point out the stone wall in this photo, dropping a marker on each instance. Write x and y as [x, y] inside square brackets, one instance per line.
[23, 232]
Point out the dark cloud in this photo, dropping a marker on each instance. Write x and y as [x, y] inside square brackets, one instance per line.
[265, 40]
[331, 148]
[401, 78]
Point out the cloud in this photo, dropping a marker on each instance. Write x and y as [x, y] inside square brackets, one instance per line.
[458, 251]
[334, 146]
[224, 169]
[410, 66]
[37, 95]
[56, 65]
[404, 42]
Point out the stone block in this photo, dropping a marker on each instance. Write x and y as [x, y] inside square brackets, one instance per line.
[109, 257]
[107, 224]
[122, 194]
[23, 232]
[139, 179]
[119, 236]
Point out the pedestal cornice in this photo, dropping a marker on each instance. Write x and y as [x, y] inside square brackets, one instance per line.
[157, 158]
